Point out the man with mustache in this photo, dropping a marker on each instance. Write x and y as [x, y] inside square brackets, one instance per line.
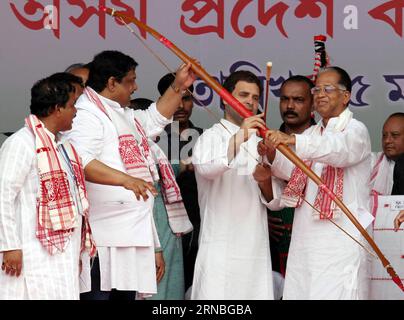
[387, 163]
[323, 262]
[120, 171]
[43, 200]
[296, 104]
[393, 135]
[387, 179]
[295, 107]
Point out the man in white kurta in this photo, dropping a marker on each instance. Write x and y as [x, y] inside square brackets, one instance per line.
[323, 262]
[233, 260]
[383, 163]
[121, 205]
[381, 185]
[122, 225]
[43, 276]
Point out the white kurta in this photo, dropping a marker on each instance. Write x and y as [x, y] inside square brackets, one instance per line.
[323, 262]
[122, 226]
[233, 260]
[391, 243]
[43, 276]
[383, 182]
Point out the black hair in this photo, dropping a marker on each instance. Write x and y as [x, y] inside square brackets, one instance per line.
[344, 78]
[241, 75]
[396, 115]
[166, 81]
[52, 91]
[140, 103]
[300, 79]
[109, 64]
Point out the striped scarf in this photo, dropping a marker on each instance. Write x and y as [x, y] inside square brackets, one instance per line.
[57, 212]
[333, 179]
[176, 212]
[295, 190]
[140, 161]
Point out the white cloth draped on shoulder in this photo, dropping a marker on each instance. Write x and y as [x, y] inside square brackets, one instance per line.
[332, 177]
[44, 276]
[381, 178]
[122, 226]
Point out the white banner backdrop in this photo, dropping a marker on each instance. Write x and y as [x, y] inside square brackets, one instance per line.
[42, 37]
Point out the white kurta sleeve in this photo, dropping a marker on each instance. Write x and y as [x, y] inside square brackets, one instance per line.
[152, 121]
[281, 167]
[341, 149]
[87, 136]
[16, 158]
[209, 156]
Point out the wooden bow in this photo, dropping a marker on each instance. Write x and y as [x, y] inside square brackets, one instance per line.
[245, 113]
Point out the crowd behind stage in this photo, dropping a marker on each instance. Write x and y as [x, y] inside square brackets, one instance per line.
[107, 198]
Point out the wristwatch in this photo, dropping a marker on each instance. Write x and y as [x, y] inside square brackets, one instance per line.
[177, 89]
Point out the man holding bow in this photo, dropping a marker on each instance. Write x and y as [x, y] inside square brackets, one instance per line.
[323, 262]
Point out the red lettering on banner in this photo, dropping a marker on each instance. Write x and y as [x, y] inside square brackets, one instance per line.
[278, 10]
[51, 14]
[312, 9]
[87, 13]
[199, 14]
[129, 11]
[264, 16]
[379, 13]
[31, 7]
[249, 31]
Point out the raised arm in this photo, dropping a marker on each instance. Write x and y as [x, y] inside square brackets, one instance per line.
[171, 99]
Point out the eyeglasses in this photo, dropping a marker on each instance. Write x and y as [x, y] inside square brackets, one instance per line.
[326, 89]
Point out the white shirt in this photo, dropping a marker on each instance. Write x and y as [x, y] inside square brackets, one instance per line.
[233, 260]
[383, 182]
[323, 262]
[44, 276]
[122, 226]
[391, 243]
